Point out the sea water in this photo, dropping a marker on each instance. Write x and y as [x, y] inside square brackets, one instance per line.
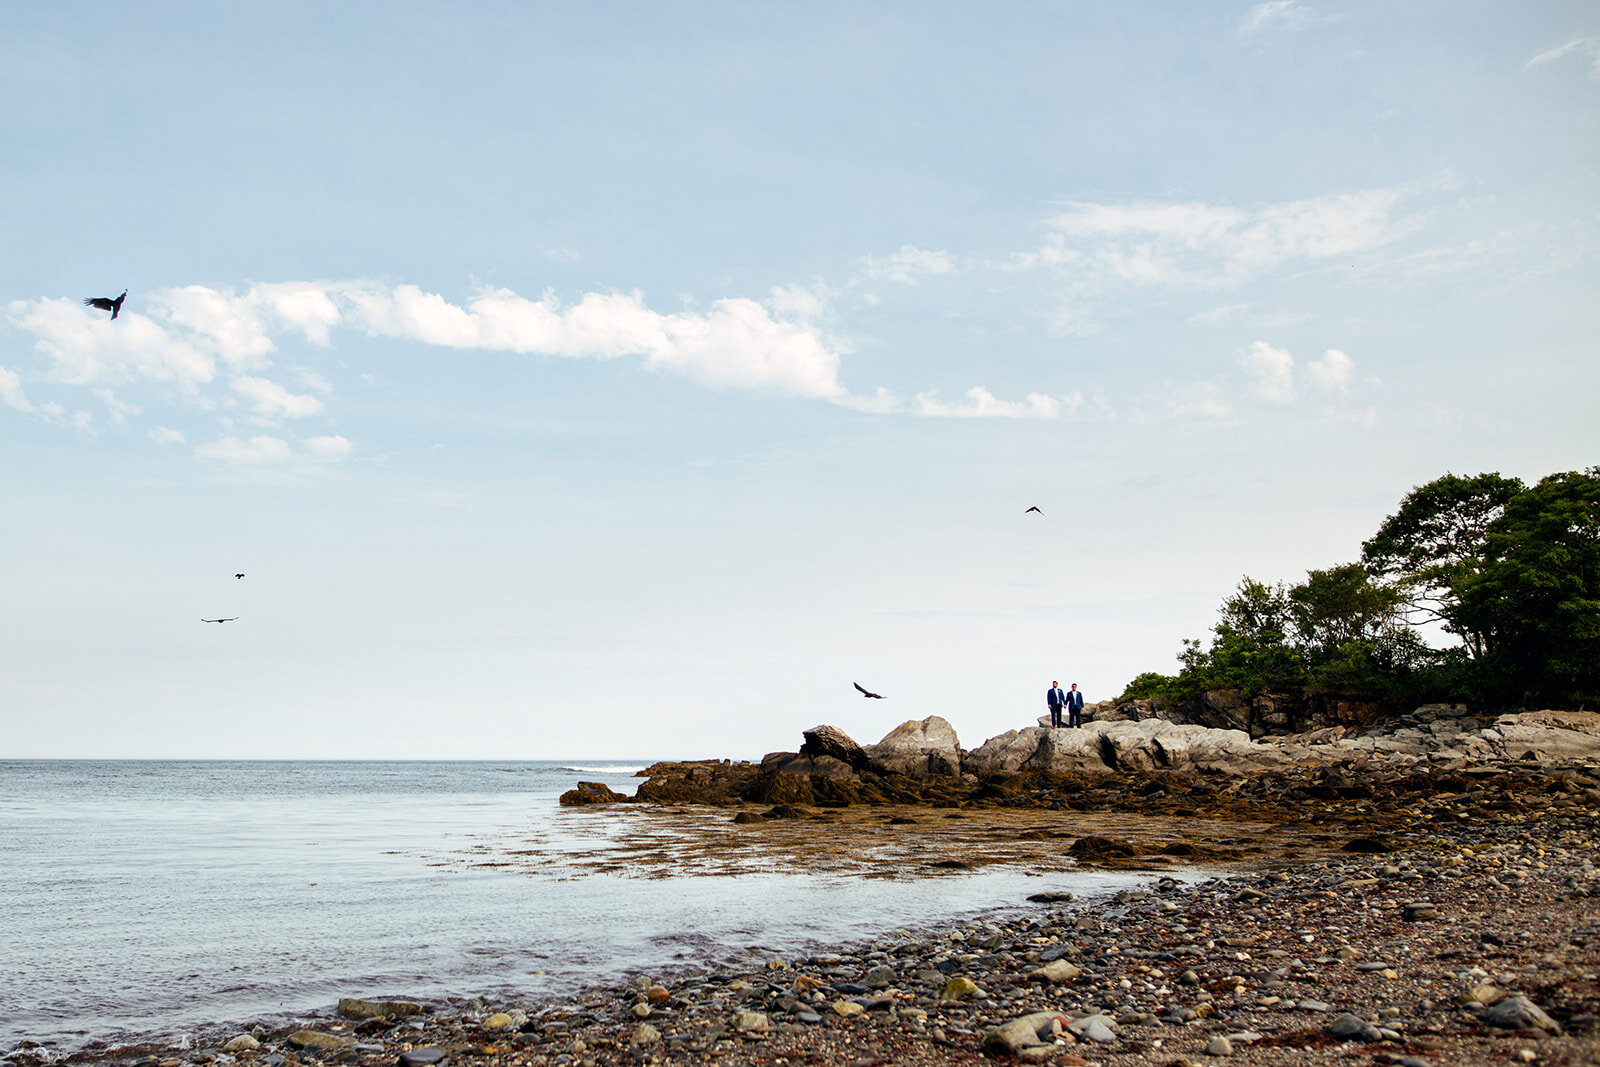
[149, 899]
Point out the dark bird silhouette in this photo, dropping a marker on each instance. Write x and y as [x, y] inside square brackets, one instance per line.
[1034, 508]
[238, 576]
[234, 619]
[874, 696]
[105, 303]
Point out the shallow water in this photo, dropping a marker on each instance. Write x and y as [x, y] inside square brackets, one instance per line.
[153, 898]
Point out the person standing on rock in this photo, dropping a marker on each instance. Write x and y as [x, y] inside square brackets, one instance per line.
[1055, 698]
[1074, 706]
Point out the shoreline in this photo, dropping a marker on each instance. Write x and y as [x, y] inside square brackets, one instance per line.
[1405, 956]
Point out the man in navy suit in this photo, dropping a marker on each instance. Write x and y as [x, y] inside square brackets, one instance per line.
[1055, 698]
[1074, 704]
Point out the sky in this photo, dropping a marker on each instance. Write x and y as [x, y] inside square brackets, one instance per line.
[627, 380]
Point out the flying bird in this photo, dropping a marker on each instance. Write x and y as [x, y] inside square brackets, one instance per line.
[105, 303]
[874, 696]
[1034, 508]
[238, 576]
[234, 619]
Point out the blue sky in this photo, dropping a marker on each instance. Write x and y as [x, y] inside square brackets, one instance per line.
[583, 380]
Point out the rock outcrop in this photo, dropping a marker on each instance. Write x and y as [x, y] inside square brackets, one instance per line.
[923, 763]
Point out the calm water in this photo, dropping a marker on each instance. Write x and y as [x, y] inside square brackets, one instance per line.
[152, 898]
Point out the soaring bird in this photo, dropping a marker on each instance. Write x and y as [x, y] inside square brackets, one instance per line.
[874, 696]
[1034, 508]
[105, 303]
[234, 619]
[238, 576]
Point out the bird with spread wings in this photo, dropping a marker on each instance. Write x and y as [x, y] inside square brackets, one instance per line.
[105, 303]
[234, 619]
[865, 693]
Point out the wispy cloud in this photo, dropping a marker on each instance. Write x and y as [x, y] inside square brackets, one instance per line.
[1289, 16]
[907, 265]
[982, 404]
[1586, 46]
[1205, 245]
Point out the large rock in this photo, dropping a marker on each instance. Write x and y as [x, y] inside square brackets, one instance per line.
[1004, 753]
[355, 1008]
[929, 747]
[1071, 750]
[798, 778]
[592, 793]
[835, 743]
[1040, 1028]
[1550, 735]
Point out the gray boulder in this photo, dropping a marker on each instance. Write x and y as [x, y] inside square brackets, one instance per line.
[1520, 1013]
[929, 747]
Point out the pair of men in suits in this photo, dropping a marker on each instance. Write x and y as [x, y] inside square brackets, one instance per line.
[1071, 700]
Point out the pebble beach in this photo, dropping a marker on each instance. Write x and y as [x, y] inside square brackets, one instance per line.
[1472, 939]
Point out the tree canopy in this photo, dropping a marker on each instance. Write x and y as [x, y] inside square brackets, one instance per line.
[1510, 571]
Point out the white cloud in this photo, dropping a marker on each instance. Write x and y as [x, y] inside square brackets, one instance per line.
[269, 400]
[1218, 315]
[1197, 400]
[331, 447]
[118, 410]
[161, 435]
[1209, 245]
[1273, 371]
[1286, 15]
[86, 349]
[907, 265]
[258, 450]
[1589, 46]
[1331, 373]
[194, 335]
[738, 343]
[11, 390]
[264, 451]
[982, 404]
[798, 301]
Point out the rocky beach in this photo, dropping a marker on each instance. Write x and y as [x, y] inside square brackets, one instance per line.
[1421, 891]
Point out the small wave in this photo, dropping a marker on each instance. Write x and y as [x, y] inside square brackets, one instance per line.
[605, 770]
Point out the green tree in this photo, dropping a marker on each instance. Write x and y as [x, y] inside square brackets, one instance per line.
[1536, 595]
[1340, 605]
[1435, 545]
[1250, 646]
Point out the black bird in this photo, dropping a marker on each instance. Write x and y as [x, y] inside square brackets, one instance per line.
[1034, 508]
[238, 576]
[105, 303]
[874, 696]
[234, 619]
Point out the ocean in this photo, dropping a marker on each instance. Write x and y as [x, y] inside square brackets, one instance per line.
[153, 899]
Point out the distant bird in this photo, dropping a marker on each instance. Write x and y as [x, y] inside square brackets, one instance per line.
[238, 576]
[105, 303]
[1034, 508]
[234, 619]
[874, 696]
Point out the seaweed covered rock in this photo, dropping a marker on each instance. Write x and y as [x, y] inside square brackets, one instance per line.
[592, 793]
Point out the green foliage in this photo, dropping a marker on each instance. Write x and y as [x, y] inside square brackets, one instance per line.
[1148, 685]
[1536, 597]
[1436, 542]
[1512, 571]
